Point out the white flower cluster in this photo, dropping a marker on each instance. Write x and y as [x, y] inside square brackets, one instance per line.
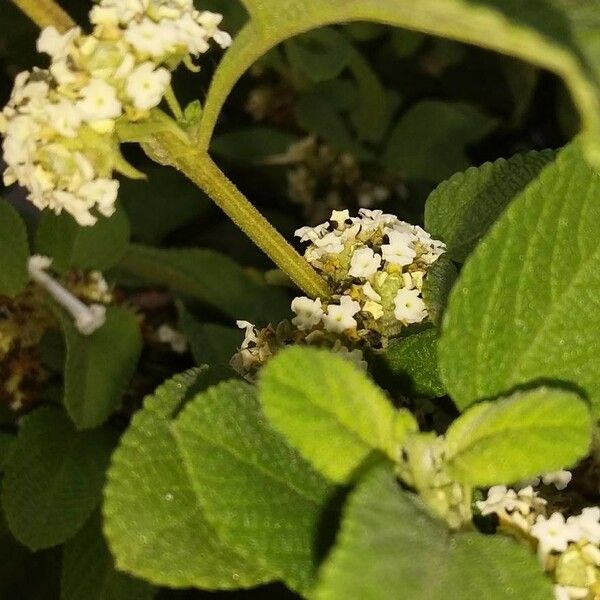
[568, 548]
[59, 122]
[377, 265]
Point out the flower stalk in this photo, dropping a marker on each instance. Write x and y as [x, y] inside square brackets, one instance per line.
[169, 148]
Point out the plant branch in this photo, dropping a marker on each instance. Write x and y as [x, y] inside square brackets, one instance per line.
[197, 166]
[45, 13]
[168, 148]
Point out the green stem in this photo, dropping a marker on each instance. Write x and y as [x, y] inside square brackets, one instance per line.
[197, 166]
[45, 13]
[173, 103]
[169, 149]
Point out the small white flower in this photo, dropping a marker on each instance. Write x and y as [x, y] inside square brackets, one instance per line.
[554, 533]
[56, 45]
[499, 500]
[399, 250]
[409, 306]
[330, 244]
[64, 117]
[99, 102]
[87, 319]
[339, 217]
[310, 234]
[146, 86]
[560, 479]
[211, 21]
[148, 37]
[102, 193]
[250, 333]
[340, 318]
[308, 312]
[364, 263]
[587, 524]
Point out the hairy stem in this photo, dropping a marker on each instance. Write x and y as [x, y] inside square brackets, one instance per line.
[200, 168]
[169, 149]
[45, 13]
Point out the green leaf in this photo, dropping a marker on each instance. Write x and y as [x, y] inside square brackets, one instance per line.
[88, 571]
[99, 366]
[262, 498]
[54, 478]
[390, 548]
[253, 144]
[210, 343]
[518, 437]
[320, 55]
[437, 286]
[413, 363]
[330, 411]
[315, 115]
[556, 36]
[72, 246]
[14, 251]
[153, 521]
[161, 204]
[7, 443]
[462, 209]
[525, 307]
[420, 151]
[210, 277]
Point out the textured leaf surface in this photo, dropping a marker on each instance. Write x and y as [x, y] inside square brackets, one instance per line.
[210, 277]
[559, 36]
[462, 209]
[88, 571]
[14, 251]
[329, 410]
[153, 522]
[413, 363]
[437, 287]
[263, 499]
[74, 247]
[210, 343]
[419, 151]
[526, 306]
[518, 437]
[390, 548]
[99, 366]
[54, 478]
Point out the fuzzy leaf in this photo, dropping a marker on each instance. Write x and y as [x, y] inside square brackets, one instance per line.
[390, 548]
[72, 246]
[462, 209]
[54, 478]
[526, 307]
[518, 437]
[99, 366]
[420, 151]
[14, 251]
[413, 363]
[263, 499]
[437, 286]
[88, 571]
[153, 521]
[210, 277]
[330, 411]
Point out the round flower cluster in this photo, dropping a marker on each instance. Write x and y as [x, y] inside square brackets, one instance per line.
[376, 266]
[568, 548]
[59, 124]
